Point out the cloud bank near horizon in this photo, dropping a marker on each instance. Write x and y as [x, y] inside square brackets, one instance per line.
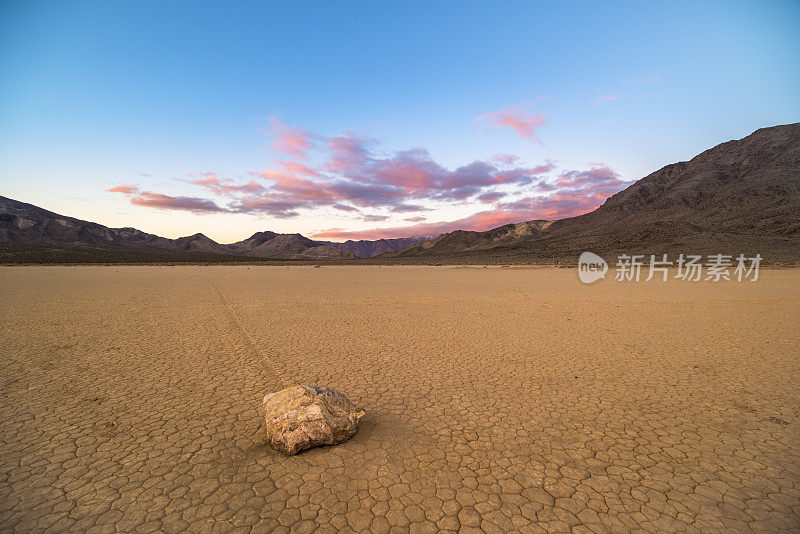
[349, 175]
[574, 193]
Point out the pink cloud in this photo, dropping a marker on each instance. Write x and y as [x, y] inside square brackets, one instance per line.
[598, 180]
[290, 139]
[298, 168]
[288, 184]
[223, 186]
[127, 189]
[523, 122]
[554, 207]
[167, 202]
[414, 174]
[349, 174]
[354, 177]
[348, 153]
[574, 193]
[505, 159]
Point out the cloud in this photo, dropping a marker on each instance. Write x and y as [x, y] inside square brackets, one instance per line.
[554, 207]
[275, 207]
[348, 153]
[343, 207]
[490, 197]
[413, 174]
[603, 99]
[406, 208]
[349, 173]
[505, 159]
[127, 189]
[290, 139]
[573, 193]
[523, 122]
[166, 202]
[374, 218]
[222, 186]
[287, 193]
[598, 180]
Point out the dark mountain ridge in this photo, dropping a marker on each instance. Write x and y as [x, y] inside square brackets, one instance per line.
[367, 248]
[25, 227]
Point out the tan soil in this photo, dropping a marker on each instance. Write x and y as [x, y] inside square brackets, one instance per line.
[501, 399]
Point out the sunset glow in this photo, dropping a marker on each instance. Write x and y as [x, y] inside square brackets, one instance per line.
[329, 121]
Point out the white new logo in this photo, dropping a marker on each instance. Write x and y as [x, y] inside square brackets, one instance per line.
[591, 267]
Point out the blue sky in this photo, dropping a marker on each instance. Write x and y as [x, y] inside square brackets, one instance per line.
[407, 114]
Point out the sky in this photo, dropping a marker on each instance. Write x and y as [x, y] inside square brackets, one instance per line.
[362, 120]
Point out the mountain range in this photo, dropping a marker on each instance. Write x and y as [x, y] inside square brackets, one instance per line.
[29, 231]
[742, 196]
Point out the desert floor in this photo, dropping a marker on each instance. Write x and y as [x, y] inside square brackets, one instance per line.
[497, 399]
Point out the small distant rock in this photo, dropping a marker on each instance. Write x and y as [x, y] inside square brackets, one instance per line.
[301, 417]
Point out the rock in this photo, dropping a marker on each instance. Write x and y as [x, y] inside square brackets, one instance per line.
[301, 417]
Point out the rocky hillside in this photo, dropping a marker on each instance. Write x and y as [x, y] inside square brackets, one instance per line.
[368, 249]
[28, 227]
[272, 245]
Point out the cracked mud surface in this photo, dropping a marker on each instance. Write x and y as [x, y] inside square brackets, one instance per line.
[496, 399]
